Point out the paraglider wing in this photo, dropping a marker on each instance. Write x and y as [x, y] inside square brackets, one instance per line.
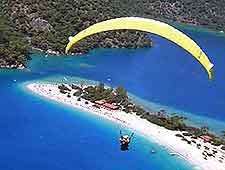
[151, 26]
[70, 38]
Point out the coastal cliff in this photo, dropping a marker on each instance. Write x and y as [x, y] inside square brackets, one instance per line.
[48, 24]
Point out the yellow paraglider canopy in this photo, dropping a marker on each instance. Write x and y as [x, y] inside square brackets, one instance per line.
[151, 26]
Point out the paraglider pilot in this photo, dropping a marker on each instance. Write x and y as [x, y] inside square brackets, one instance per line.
[124, 141]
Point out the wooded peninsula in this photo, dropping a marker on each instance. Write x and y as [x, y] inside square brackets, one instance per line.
[118, 99]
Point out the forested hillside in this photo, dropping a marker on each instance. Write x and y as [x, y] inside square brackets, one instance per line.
[14, 48]
[207, 13]
[48, 24]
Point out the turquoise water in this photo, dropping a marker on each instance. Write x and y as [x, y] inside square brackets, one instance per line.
[41, 134]
[165, 76]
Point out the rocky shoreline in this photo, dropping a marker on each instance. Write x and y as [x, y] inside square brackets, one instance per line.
[19, 67]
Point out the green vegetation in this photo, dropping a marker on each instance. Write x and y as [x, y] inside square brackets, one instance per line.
[47, 24]
[223, 132]
[223, 147]
[171, 123]
[14, 48]
[64, 87]
[119, 97]
[99, 92]
[207, 13]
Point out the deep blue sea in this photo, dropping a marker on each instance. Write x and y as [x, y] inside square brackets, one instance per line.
[40, 134]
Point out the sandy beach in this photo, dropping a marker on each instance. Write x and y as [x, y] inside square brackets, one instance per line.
[164, 137]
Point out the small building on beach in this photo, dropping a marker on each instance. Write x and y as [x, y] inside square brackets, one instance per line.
[100, 102]
[110, 106]
[206, 138]
[104, 104]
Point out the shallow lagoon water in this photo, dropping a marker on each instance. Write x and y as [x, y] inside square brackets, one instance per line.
[165, 75]
[40, 134]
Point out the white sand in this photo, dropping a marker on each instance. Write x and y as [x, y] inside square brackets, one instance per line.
[153, 132]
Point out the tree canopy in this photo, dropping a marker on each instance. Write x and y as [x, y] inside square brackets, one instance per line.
[47, 24]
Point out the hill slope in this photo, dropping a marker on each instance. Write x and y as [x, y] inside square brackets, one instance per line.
[47, 24]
